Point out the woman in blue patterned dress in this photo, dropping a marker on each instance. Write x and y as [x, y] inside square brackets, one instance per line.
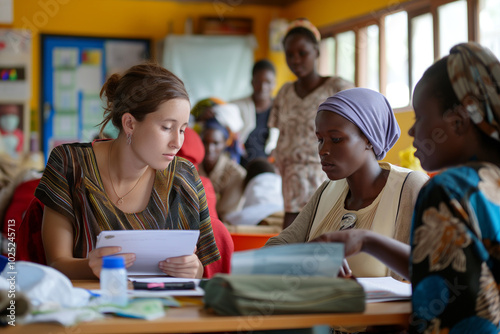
[454, 258]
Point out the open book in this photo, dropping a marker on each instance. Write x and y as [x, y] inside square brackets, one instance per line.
[380, 289]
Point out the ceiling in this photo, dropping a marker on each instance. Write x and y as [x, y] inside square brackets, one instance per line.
[281, 3]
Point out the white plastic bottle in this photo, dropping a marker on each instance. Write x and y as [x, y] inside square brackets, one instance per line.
[113, 281]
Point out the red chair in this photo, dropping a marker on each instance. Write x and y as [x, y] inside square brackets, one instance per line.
[29, 235]
[26, 213]
[30, 246]
[225, 245]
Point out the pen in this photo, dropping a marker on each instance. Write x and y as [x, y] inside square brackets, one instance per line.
[189, 285]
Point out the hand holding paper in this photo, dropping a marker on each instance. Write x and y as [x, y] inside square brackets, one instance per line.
[152, 247]
[96, 255]
[182, 266]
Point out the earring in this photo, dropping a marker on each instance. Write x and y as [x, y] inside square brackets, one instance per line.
[129, 138]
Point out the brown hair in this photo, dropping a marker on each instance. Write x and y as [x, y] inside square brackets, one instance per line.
[139, 92]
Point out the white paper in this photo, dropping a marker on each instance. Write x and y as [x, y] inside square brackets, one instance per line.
[198, 292]
[120, 55]
[6, 11]
[65, 57]
[380, 289]
[150, 246]
[89, 78]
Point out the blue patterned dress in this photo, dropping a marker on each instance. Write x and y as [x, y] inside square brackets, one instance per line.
[455, 257]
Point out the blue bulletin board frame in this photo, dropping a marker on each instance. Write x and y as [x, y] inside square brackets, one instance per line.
[48, 113]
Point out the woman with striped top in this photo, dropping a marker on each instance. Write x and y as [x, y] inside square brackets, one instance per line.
[134, 182]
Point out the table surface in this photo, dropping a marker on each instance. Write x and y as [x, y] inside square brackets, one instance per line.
[194, 319]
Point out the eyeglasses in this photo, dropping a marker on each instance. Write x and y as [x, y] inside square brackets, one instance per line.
[348, 221]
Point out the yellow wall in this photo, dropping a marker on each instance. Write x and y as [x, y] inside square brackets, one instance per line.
[155, 19]
[326, 12]
[125, 18]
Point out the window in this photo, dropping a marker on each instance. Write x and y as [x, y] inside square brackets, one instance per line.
[452, 25]
[372, 58]
[346, 44]
[489, 25]
[327, 57]
[389, 50]
[422, 52]
[397, 89]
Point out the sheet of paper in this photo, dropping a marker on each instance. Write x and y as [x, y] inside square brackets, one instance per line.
[120, 55]
[380, 289]
[150, 246]
[65, 57]
[198, 292]
[6, 11]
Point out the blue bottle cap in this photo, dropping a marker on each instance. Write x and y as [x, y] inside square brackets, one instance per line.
[109, 262]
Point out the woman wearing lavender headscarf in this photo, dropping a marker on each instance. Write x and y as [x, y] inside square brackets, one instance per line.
[454, 259]
[355, 129]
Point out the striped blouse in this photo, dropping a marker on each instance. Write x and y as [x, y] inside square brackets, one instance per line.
[71, 185]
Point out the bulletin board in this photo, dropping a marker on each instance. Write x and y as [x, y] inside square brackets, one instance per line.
[74, 68]
[15, 93]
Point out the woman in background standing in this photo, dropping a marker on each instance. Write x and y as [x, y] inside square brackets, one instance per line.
[293, 114]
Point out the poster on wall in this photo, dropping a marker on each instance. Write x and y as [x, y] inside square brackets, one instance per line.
[12, 129]
[15, 91]
[74, 68]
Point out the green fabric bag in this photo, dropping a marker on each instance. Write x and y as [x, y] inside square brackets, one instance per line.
[282, 294]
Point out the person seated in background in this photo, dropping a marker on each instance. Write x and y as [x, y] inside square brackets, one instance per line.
[227, 176]
[135, 181]
[258, 139]
[355, 128]
[227, 115]
[453, 262]
[194, 151]
[262, 196]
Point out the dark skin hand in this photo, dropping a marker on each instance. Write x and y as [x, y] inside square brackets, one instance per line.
[391, 252]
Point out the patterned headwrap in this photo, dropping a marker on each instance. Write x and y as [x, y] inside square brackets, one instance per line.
[370, 112]
[204, 104]
[475, 76]
[304, 23]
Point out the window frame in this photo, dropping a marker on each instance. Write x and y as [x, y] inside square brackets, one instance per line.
[413, 8]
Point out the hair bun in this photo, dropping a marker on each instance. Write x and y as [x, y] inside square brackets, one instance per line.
[110, 86]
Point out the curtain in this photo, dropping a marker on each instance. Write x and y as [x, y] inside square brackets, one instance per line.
[211, 66]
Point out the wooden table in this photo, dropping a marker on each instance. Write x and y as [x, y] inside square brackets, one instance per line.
[193, 319]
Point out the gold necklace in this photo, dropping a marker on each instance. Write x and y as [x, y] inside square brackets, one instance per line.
[120, 198]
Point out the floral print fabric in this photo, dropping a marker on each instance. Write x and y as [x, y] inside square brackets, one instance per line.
[455, 259]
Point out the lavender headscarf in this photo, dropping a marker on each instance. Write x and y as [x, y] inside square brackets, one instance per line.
[370, 112]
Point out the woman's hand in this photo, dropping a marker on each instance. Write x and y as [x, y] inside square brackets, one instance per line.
[391, 252]
[188, 266]
[96, 255]
[345, 271]
[353, 240]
